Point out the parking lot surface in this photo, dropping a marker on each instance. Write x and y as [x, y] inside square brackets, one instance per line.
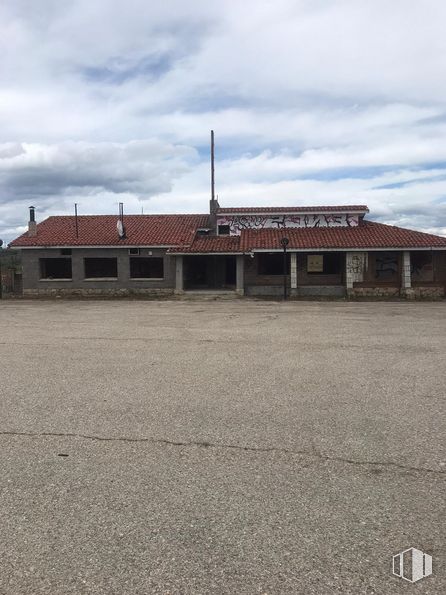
[220, 446]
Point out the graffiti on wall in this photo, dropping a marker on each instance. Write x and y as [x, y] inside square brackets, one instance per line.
[386, 266]
[357, 264]
[237, 223]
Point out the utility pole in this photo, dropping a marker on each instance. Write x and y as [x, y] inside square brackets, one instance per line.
[212, 167]
[76, 222]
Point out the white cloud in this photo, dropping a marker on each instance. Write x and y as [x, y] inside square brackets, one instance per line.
[54, 177]
[313, 101]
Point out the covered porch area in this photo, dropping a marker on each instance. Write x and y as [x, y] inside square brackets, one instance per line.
[204, 272]
[307, 274]
[209, 273]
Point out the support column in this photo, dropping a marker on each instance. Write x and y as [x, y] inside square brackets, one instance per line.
[179, 274]
[356, 264]
[349, 272]
[293, 270]
[406, 281]
[406, 277]
[240, 274]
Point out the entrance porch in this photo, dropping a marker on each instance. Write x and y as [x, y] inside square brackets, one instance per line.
[209, 273]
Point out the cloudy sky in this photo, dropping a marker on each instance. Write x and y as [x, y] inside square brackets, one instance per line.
[312, 102]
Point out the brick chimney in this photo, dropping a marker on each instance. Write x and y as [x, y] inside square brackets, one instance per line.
[213, 210]
[32, 225]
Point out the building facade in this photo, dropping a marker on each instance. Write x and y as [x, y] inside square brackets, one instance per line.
[329, 251]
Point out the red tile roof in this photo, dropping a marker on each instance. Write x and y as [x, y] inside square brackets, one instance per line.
[179, 233]
[211, 244]
[100, 230]
[316, 209]
[367, 235]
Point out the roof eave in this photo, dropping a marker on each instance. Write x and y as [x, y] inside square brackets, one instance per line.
[239, 253]
[281, 213]
[88, 246]
[350, 249]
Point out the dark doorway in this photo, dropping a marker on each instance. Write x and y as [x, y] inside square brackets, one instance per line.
[230, 271]
[209, 272]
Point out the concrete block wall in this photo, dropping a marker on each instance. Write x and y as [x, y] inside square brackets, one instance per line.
[411, 293]
[248, 280]
[375, 292]
[256, 284]
[78, 285]
[312, 279]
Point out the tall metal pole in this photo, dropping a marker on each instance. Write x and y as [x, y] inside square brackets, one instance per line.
[76, 220]
[212, 168]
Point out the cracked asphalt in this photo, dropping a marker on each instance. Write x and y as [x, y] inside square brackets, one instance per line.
[220, 446]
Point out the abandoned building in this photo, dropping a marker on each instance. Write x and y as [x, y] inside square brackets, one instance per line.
[265, 251]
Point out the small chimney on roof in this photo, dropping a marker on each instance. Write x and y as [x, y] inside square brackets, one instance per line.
[120, 223]
[32, 225]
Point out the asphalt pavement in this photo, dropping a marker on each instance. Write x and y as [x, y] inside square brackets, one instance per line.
[210, 447]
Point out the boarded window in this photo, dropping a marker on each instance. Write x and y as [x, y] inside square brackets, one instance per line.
[147, 268]
[421, 266]
[272, 264]
[315, 263]
[101, 268]
[325, 264]
[386, 266]
[55, 268]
